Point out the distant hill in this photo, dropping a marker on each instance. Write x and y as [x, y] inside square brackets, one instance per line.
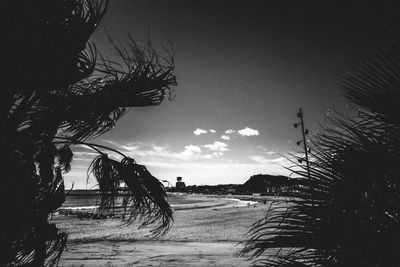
[260, 183]
[221, 189]
[264, 183]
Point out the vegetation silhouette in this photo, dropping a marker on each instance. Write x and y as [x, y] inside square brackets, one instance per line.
[58, 91]
[349, 210]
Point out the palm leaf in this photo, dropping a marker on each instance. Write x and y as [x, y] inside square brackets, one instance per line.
[146, 196]
[347, 212]
[49, 91]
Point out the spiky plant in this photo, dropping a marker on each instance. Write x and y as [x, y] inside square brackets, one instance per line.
[348, 209]
[56, 94]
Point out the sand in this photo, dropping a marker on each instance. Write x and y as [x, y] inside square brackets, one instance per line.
[206, 236]
[153, 253]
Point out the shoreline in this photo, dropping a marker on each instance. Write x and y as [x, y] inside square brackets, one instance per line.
[229, 202]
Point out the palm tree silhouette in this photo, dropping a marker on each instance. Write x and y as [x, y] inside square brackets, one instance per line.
[354, 181]
[58, 91]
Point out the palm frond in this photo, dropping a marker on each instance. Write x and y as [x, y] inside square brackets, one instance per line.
[146, 77]
[93, 106]
[55, 247]
[373, 84]
[106, 173]
[65, 156]
[50, 92]
[146, 196]
[347, 211]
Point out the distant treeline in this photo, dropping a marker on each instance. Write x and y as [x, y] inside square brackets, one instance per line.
[262, 184]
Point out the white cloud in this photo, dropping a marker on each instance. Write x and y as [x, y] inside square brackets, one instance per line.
[144, 150]
[264, 160]
[212, 131]
[83, 154]
[191, 150]
[154, 152]
[230, 131]
[188, 153]
[130, 147]
[259, 159]
[217, 146]
[110, 142]
[158, 164]
[199, 131]
[198, 164]
[248, 132]
[225, 137]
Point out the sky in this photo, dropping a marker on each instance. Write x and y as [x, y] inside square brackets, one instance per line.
[244, 68]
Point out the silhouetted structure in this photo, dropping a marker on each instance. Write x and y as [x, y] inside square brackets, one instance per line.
[179, 185]
[50, 101]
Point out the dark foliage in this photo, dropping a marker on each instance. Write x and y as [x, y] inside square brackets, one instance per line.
[58, 91]
[349, 211]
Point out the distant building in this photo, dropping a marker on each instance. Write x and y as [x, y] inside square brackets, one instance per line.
[179, 184]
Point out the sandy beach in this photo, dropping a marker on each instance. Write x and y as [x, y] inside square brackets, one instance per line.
[206, 232]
